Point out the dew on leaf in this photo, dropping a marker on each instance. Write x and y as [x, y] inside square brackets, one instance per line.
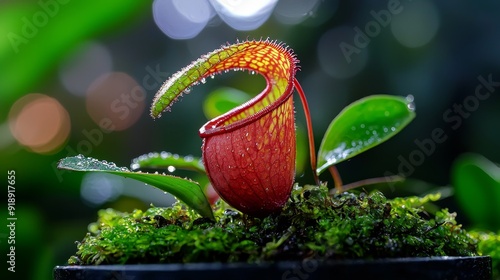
[165, 155]
[410, 98]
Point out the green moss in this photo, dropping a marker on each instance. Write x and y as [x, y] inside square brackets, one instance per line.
[312, 224]
[489, 245]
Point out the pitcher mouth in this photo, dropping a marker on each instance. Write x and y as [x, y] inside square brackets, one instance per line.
[223, 123]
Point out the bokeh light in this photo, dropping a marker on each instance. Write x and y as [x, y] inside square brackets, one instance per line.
[242, 14]
[337, 62]
[115, 101]
[39, 122]
[295, 11]
[182, 19]
[88, 62]
[185, 19]
[416, 25]
[98, 188]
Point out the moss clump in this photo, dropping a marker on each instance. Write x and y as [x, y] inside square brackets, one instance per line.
[313, 224]
[489, 245]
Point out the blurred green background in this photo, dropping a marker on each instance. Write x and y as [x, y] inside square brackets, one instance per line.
[77, 77]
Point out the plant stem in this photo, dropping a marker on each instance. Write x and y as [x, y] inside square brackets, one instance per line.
[367, 182]
[337, 181]
[310, 134]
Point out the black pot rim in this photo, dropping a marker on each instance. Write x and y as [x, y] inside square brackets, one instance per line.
[447, 267]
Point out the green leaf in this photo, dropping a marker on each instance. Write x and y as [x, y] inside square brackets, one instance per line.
[185, 190]
[477, 188]
[362, 125]
[165, 160]
[222, 100]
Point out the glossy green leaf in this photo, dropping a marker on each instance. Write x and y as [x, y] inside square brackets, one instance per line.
[185, 190]
[477, 188]
[222, 100]
[362, 125]
[167, 161]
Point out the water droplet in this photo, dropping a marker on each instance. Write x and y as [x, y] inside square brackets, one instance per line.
[165, 155]
[362, 125]
[385, 129]
[410, 105]
[410, 98]
[212, 76]
[188, 158]
[171, 168]
[393, 128]
[135, 166]
[203, 80]
[252, 72]
[353, 128]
